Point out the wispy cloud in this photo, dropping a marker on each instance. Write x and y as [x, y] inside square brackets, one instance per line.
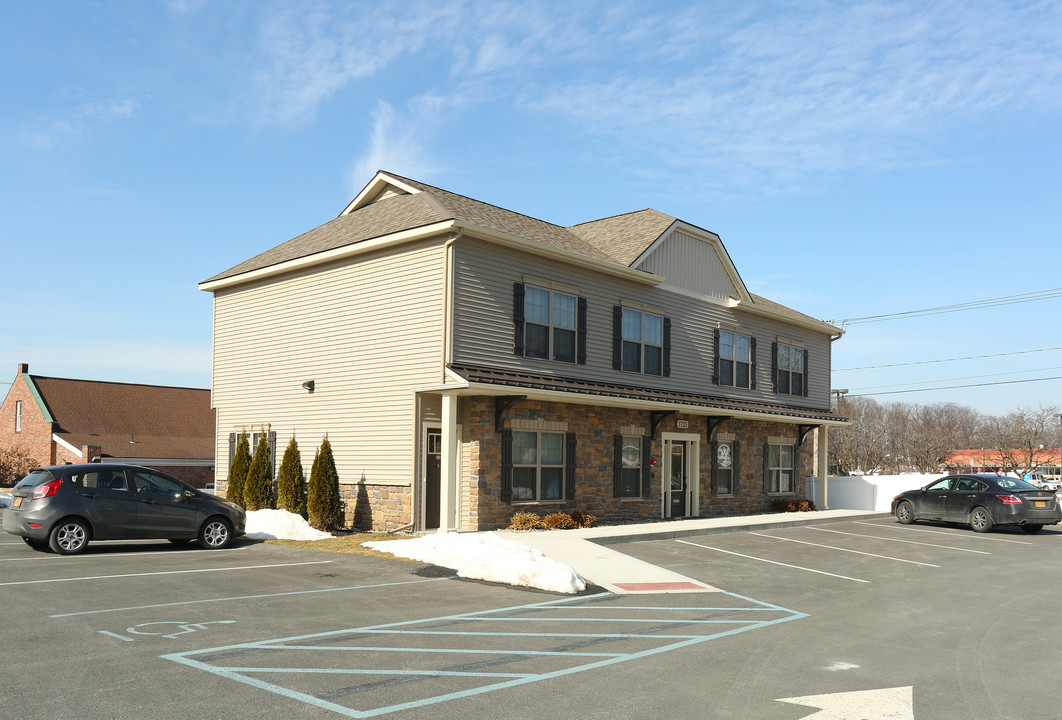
[398, 142]
[72, 123]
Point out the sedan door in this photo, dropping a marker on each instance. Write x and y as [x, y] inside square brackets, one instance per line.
[163, 511]
[931, 503]
[966, 493]
[105, 499]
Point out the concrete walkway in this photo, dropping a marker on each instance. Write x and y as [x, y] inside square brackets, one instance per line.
[589, 551]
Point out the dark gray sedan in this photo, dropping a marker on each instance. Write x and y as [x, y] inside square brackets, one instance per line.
[66, 506]
[983, 500]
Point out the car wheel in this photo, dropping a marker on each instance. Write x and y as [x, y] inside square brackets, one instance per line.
[980, 520]
[215, 534]
[1032, 528]
[905, 513]
[69, 537]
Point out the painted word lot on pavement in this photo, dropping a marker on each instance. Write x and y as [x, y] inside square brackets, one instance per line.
[367, 671]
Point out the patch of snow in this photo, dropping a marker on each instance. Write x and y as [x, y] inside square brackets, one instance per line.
[280, 525]
[487, 556]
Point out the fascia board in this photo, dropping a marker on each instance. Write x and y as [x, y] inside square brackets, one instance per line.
[41, 405]
[68, 446]
[708, 237]
[339, 253]
[816, 325]
[473, 388]
[370, 191]
[537, 248]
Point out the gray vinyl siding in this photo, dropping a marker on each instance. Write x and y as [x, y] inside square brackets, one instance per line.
[483, 328]
[365, 330]
[690, 263]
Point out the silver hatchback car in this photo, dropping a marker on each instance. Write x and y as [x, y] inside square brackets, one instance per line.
[66, 506]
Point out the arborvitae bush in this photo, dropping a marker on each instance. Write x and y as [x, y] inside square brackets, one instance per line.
[525, 521]
[558, 521]
[258, 489]
[241, 463]
[291, 481]
[323, 505]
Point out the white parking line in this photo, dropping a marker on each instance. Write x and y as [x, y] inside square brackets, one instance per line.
[772, 562]
[856, 552]
[968, 536]
[84, 558]
[167, 572]
[910, 542]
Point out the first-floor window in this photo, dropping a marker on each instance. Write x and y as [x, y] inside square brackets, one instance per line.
[631, 465]
[724, 467]
[779, 467]
[538, 466]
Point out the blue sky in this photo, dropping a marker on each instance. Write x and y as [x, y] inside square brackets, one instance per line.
[857, 158]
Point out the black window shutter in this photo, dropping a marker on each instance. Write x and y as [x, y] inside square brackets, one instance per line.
[581, 333]
[617, 465]
[667, 347]
[617, 337]
[715, 365]
[774, 366]
[796, 468]
[805, 372]
[232, 447]
[752, 363]
[518, 318]
[647, 453]
[272, 438]
[766, 467]
[569, 466]
[507, 466]
[735, 453]
[715, 466]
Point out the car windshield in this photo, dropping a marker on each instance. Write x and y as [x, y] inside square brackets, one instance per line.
[34, 478]
[1014, 484]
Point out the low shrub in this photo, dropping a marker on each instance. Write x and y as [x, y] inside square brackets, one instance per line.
[582, 519]
[558, 521]
[792, 505]
[525, 521]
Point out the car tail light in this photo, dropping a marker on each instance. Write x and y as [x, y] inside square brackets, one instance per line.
[47, 489]
[1010, 500]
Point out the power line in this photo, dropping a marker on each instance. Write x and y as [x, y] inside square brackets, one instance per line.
[927, 362]
[958, 307]
[968, 377]
[955, 387]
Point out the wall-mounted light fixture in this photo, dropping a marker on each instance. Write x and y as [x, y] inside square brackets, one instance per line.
[308, 386]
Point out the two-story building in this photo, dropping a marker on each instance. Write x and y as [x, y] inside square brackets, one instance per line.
[467, 362]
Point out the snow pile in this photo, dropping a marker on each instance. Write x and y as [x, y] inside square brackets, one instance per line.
[280, 525]
[487, 556]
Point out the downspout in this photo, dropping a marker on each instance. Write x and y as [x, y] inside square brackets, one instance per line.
[447, 346]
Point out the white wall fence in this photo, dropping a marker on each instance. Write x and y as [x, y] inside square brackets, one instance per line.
[865, 492]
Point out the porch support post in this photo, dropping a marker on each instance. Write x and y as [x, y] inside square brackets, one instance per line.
[448, 495]
[824, 470]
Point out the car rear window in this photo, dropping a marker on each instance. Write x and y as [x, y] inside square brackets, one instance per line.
[34, 479]
[1015, 484]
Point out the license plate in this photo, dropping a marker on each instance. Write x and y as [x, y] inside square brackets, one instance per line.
[1038, 503]
[18, 501]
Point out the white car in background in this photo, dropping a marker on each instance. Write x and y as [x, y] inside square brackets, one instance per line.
[1038, 479]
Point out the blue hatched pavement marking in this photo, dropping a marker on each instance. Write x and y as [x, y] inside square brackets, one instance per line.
[754, 615]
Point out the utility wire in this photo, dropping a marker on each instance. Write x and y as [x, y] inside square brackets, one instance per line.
[954, 387]
[927, 362]
[968, 377]
[973, 305]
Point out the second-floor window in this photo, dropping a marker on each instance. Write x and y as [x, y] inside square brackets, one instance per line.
[549, 324]
[643, 342]
[18, 416]
[790, 369]
[735, 359]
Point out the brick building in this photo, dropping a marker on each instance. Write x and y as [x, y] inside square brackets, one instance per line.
[59, 420]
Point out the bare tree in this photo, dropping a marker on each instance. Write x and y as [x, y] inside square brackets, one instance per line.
[1019, 437]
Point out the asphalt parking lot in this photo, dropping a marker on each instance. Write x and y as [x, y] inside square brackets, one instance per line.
[889, 621]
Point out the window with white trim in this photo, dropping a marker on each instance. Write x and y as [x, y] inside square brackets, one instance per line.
[630, 466]
[549, 324]
[643, 342]
[789, 370]
[734, 359]
[538, 466]
[779, 468]
[18, 416]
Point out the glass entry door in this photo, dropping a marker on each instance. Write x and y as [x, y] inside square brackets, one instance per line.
[678, 490]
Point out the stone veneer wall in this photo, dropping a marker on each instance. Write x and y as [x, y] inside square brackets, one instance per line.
[595, 429]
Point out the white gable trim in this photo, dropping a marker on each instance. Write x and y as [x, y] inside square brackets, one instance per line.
[380, 182]
[59, 441]
[707, 237]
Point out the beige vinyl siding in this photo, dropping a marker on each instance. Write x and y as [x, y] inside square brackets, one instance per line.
[483, 328]
[690, 263]
[365, 330]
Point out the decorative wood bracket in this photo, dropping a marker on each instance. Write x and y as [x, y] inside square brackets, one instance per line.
[658, 417]
[502, 405]
[714, 423]
[803, 433]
